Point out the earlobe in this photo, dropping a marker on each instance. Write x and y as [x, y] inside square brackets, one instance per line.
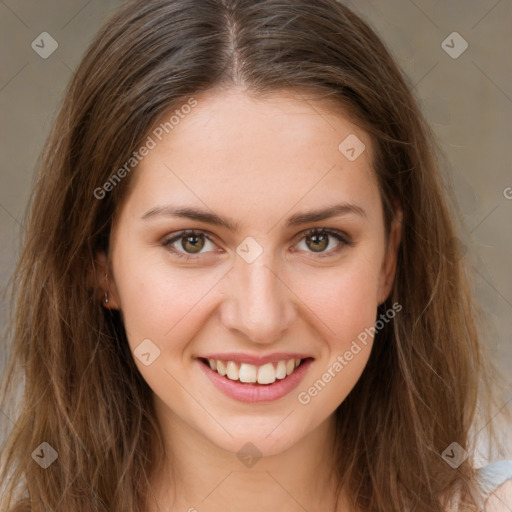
[106, 291]
[388, 270]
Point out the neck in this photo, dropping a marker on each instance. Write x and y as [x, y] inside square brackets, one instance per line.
[198, 475]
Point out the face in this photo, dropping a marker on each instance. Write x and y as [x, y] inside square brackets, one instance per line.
[284, 269]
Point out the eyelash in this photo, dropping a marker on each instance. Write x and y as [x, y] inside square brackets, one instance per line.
[340, 236]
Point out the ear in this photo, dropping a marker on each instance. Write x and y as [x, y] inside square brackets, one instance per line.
[388, 269]
[105, 284]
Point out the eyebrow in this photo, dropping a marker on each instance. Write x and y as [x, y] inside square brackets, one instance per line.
[217, 220]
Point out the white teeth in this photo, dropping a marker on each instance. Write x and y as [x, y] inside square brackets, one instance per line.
[281, 370]
[266, 374]
[221, 368]
[247, 373]
[233, 371]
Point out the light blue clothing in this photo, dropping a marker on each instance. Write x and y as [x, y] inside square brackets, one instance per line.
[493, 475]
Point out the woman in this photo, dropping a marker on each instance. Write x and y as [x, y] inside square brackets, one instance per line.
[240, 278]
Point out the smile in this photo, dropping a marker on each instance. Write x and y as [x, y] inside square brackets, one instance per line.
[249, 379]
[250, 373]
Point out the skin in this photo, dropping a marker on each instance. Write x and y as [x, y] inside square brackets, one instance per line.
[256, 162]
[501, 499]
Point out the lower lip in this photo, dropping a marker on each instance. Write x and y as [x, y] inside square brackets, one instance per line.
[249, 392]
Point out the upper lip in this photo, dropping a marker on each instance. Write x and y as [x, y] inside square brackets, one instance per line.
[239, 357]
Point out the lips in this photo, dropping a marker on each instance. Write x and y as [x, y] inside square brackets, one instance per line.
[251, 378]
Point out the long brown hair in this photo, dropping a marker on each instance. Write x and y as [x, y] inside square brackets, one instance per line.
[83, 394]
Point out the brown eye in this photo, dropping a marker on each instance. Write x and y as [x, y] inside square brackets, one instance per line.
[317, 242]
[192, 243]
[188, 243]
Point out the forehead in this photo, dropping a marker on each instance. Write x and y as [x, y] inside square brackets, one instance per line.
[260, 154]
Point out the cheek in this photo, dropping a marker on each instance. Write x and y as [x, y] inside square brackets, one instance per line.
[343, 298]
[161, 303]
[345, 304]
[167, 307]
[348, 312]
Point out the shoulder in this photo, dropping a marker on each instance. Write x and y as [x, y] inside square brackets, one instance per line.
[496, 483]
[501, 499]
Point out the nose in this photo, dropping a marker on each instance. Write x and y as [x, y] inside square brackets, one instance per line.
[260, 305]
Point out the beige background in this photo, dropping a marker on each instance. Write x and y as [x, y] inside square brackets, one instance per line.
[468, 100]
